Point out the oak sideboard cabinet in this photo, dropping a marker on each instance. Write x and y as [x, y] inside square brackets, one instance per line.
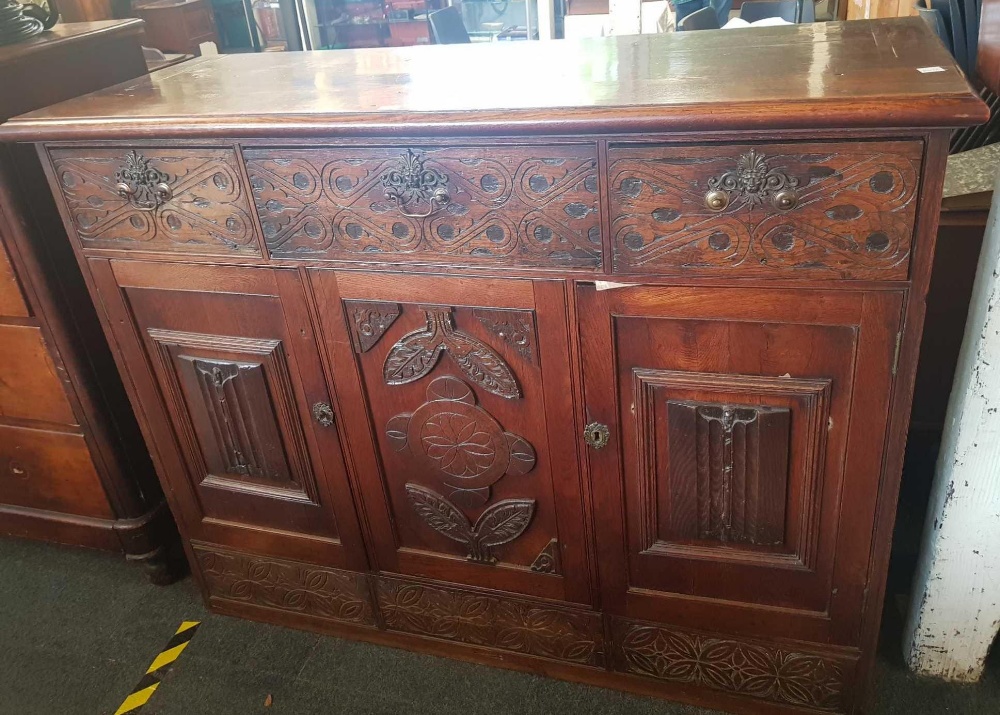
[599, 367]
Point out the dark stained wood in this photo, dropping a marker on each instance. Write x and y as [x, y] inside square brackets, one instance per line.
[680, 482]
[177, 25]
[856, 74]
[75, 470]
[29, 386]
[849, 211]
[11, 299]
[505, 205]
[205, 209]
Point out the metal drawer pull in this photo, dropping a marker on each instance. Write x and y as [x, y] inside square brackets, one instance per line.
[141, 184]
[410, 182]
[752, 182]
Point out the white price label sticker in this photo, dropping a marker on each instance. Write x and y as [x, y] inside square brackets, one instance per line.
[928, 70]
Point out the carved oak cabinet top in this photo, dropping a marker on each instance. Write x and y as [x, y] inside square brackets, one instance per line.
[854, 74]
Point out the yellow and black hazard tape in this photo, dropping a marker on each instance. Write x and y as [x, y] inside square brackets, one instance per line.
[160, 666]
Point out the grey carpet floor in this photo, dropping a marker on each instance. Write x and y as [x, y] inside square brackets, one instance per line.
[79, 628]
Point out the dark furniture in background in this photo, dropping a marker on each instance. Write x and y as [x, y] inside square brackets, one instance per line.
[73, 468]
[447, 27]
[177, 25]
[705, 19]
[606, 385]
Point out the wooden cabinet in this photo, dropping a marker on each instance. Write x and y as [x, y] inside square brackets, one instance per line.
[73, 468]
[611, 386]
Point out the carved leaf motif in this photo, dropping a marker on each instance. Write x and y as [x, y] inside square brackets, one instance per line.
[411, 358]
[499, 524]
[482, 365]
[417, 352]
[440, 514]
[504, 522]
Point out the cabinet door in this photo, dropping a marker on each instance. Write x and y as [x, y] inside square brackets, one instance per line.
[235, 397]
[745, 453]
[461, 388]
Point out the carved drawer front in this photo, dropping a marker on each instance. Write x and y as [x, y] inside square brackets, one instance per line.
[150, 199]
[50, 470]
[476, 480]
[472, 205]
[247, 425]
[30, 387]
[750, 425]
[12, 303]
[808, 210]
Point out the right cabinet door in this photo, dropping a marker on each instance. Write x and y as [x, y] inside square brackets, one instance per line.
[737, 490]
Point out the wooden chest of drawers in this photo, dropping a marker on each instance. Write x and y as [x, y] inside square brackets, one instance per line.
[605, 380]
[72, 466]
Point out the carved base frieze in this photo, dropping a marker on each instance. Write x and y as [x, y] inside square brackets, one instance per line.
[738, 667]
[287, 586]
[782, 675]
[505, 623]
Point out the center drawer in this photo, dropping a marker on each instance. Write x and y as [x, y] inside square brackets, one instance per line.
[803, 210]
[527, 205]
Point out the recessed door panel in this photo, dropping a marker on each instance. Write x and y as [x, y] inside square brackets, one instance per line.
[750, 424]
[232, 355]
[476, 479]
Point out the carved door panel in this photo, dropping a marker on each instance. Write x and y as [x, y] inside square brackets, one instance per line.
[464, 393]
[751, 424]
[244, 423]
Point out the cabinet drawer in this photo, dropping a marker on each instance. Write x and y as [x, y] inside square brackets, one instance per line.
[499, 205]
[164, 200]
[802, 210]
[49, 470]
[29, 385]
[11, 301]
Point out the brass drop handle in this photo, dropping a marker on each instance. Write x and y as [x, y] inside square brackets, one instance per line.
[717, 200]
[323, 414]
[161, 193]
[596, 435]
[438, 200]
[141, 183]
[785, 200]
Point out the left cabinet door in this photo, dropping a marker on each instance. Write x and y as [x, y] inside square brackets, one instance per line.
[225, 366]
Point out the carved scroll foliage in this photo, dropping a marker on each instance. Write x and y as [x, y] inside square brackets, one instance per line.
[509, 624]
[207, 211]
[288, 586]
[547, 560]
[417, 352]
[369, 321]
[461, 441]
[509, 205]
[514, 327]
[499, 524]
[758, 671]
[853, 216]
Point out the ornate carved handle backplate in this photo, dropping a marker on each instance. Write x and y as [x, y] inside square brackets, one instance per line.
[752, 182]
[140, 183]
[410, 183]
